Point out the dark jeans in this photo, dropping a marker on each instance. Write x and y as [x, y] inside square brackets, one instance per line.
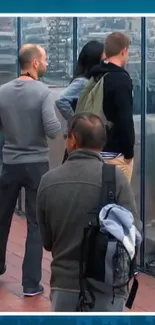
[14, 177]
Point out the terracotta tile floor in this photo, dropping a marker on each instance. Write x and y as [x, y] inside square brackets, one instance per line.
[11, 291]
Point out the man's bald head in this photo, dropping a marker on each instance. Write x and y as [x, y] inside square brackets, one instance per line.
[33, 59]
[86, 131]
[28, 53]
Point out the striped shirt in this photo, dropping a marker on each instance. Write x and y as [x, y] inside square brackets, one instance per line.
[110, 155]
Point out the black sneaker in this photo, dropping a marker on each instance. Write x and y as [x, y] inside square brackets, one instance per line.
[30, 292]
[3, 270]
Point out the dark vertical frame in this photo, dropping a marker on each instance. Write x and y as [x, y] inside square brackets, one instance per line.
[143, 116]
[18, 41]
[19, 201]
[75, 36]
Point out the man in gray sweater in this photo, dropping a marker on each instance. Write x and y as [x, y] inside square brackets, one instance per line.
[66, 195]
[27, 117]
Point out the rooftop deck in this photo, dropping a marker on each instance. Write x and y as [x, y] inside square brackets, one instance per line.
[11, 299]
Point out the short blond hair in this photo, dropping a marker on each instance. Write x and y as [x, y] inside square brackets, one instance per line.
[115, 43]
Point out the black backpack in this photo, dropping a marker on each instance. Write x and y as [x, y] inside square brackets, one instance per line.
[96, 257]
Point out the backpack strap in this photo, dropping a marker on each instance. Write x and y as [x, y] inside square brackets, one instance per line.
[135, 284]
[86, 299]
[108, 191]
[132, 293]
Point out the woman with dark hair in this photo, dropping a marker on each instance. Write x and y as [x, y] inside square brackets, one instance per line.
[91, 54]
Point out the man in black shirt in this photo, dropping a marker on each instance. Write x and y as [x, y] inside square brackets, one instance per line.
[118, 102]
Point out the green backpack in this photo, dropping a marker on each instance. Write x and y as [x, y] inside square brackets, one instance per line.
[91, 99]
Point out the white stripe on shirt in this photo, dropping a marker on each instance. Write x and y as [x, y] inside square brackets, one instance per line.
[110, 155]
